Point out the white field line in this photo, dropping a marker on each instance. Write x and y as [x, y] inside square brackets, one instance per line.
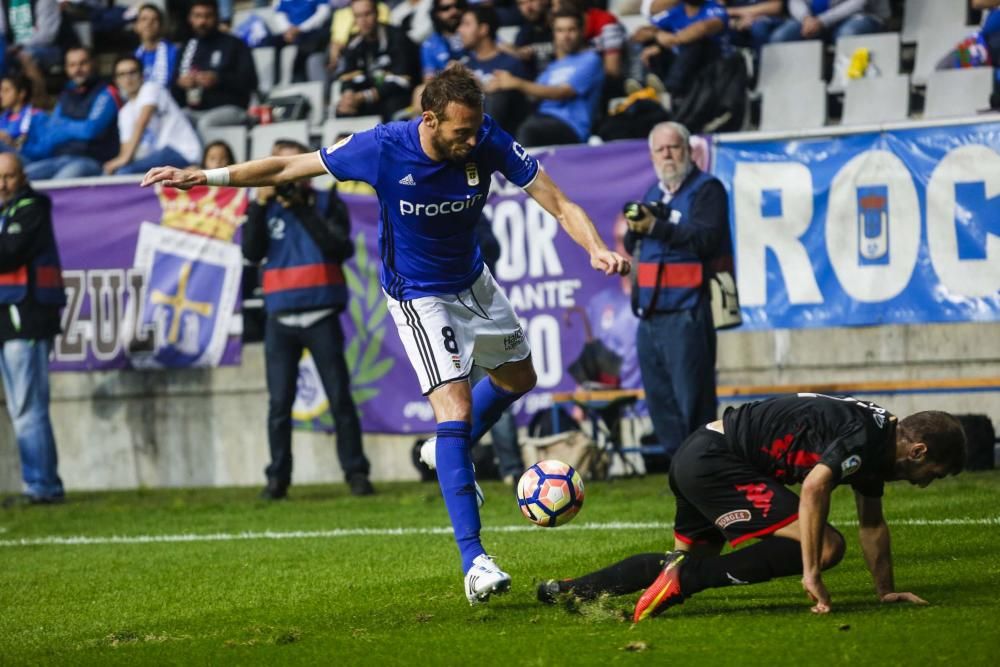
[404, 532]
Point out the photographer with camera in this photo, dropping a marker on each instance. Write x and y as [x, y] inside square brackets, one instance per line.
[679, 236]
[303, 248]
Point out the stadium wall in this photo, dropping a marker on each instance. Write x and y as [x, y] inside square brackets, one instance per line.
[124, 430]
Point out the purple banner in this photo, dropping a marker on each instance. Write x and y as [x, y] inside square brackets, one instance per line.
[97, 229]
[546, 276]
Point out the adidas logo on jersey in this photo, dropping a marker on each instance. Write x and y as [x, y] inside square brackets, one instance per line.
[407, 180]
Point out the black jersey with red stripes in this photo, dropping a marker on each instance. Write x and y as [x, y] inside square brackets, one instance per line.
[786, 437]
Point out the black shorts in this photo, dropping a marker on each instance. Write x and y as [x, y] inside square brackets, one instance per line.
[721, 497]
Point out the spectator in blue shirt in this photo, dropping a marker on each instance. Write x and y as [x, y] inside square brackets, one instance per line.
[832, 19]
[444, 44]
[157, 55]
[751, 22]
[682, 40]
[305, 24]
[991, 35]
[569, 88]
[478, 30]
[82, 133]
[19, 117]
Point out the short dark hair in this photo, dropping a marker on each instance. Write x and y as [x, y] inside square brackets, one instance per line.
[486, 14]
[567, 13]
[290, 144]
[214, 4]
[127, 58]
[153, 8]
[456, 84]
[79, 47]
[20, 81]
[942, 433]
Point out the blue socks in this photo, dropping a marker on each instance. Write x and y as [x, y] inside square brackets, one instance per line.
[488, 404]
[458, 486]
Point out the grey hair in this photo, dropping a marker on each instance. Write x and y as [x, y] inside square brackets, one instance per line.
[681, 131]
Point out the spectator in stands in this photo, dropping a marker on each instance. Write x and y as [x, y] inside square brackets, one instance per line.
[569, 88]
[445, 44]
[683, 40]
[216, 73]
[31, 296]
[19, 116]
[413, 16]
[832, 19]
[478, 30]
[32, 28]
[751, 22]
[343, 29]
[152, 129]
[304, 24]
[82, 133]
[216, 155]
[683, 228]
[157, 54]
[991, 36]
[376, 70]
[304, 293]
[603, 33]
[533, 43]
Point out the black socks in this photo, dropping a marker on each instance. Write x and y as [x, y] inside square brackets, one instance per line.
[769, 558]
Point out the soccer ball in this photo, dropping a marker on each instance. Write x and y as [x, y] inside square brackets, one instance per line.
[550, 493]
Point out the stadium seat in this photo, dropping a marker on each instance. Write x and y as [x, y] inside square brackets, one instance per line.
[234, 135]
[621, 8]
[884, 48]
[335, 127]
[262, 137]
[921, 17]
[799, 105]
[507, 33]
[958, 92]
[877, 100]
[287, 62]
[264, 58]
[790, 64]
[313, 90]
[933, 46]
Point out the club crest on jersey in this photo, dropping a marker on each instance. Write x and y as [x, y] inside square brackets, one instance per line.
[339, 144]
[850, 466]
[471, 173]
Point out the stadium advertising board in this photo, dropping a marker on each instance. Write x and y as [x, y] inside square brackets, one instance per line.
[152, 276]
[893, 227]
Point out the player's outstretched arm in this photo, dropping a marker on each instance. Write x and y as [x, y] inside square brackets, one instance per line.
[577, 224]
[273, 170]
[873, 533]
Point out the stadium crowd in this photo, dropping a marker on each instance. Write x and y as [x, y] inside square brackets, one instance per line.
[555, 71]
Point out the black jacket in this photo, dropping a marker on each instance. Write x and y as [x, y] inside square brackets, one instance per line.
[25, 235]
[230, 59]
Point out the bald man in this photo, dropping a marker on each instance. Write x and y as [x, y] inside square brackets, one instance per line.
[31, 295]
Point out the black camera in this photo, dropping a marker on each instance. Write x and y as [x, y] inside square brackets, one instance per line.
[637, 210]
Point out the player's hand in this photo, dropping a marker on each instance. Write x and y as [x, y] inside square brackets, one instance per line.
[904, 597]
[610, 262]
[172, 177]
[816, 590]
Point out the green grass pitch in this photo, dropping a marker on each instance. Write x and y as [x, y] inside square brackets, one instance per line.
[322, 579]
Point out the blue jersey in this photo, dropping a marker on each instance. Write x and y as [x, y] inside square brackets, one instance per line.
[584, 72]
[429, 209]
[676, 19]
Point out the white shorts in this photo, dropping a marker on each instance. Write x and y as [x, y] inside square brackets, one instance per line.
[444, 336]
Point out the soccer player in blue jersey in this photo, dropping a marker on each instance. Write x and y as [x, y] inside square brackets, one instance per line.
[432, 176]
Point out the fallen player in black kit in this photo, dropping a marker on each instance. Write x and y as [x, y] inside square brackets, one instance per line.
[730, 478]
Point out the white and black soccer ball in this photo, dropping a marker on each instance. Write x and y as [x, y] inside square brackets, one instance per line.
[550, 493]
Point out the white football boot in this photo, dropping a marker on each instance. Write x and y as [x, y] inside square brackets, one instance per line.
[428, 454]
[483, 579]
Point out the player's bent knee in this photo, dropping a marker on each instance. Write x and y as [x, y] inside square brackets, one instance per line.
[834, 547]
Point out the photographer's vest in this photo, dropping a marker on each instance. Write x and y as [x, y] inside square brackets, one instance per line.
[76, 104]
[42, 277]
[671, 278]
[297, 277]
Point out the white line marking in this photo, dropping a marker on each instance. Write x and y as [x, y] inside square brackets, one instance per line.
[402, 532]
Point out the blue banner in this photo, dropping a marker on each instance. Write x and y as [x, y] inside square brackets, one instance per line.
[891, 227]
